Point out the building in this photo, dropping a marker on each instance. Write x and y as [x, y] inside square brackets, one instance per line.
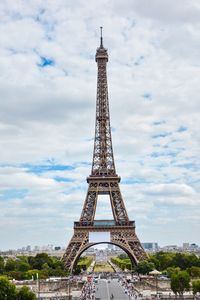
[150, 246]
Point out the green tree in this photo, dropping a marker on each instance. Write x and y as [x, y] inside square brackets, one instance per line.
[44, 274]
[31, 274]
[2, 268]
[23, 258]
[196, 286]
[181, 260]
[180, 282]
[58, 272]
[57, 262]
[39, 260]
[144, 267]
[123, 256]
[7, 289]
[22, 266]
[165, 260]
[25, 294]
[155, 261]
[172, 270]
[45, 266]
[15, 275]
[194, 271]
[185, 260]
[10, 265]
[77, 270]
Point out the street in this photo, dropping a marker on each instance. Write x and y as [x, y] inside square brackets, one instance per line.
[105, 289]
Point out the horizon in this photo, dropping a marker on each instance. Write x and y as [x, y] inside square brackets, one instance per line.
[104, 245]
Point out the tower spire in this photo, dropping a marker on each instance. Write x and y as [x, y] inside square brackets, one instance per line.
[101, 37]
[103, 158]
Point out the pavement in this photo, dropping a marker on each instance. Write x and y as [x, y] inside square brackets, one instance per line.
[106, 288]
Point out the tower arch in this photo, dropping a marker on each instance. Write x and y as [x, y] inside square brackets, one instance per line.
[132, 259]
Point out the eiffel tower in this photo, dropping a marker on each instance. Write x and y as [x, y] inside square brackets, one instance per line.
[119, 231]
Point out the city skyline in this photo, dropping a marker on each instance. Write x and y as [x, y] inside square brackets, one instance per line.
[48, 87]
[154, 246]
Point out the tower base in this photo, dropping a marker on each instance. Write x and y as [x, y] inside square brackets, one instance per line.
[123, 236]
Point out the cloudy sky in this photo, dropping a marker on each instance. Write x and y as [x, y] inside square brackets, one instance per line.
[47, 115]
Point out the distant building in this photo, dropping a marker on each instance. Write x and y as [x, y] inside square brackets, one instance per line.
[150, 246]
[118, 251]
[57, 248]
[101, 256]
[186, 246]
[28, 248]
[194, 246]
[170, 248]
[89, 251]
[110, 246]
[36, 248]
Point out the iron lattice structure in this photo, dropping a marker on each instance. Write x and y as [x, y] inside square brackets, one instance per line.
[103, 180]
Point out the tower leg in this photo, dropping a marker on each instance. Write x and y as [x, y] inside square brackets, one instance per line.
[78, 242]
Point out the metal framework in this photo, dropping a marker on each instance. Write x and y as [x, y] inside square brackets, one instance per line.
[103, 180]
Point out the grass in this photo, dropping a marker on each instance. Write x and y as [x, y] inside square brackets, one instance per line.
[103, 267]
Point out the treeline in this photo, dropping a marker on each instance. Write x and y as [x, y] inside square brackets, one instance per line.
[83, 264]
[168, 263]
[27, 267]
[184, 261]
[122, 261]
[165, 262]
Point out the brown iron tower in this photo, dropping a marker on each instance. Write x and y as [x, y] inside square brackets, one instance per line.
[103, 180]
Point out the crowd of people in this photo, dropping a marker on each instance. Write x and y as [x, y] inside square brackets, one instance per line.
[88, 291]
[129, 289]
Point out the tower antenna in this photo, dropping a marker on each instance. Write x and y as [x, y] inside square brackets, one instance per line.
[101, 39]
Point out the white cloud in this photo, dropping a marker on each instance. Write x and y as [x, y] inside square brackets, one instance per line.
[172, 189]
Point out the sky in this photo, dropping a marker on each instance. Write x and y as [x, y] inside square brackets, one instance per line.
[47, 116]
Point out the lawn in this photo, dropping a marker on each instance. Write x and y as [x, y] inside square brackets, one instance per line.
[103, 267]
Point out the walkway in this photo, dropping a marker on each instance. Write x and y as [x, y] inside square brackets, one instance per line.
[106, 288]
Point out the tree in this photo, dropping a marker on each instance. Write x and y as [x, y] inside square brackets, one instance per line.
[180, 282]
[32, 274]
[123, 256]
[22, 266]
[15, 275]
[10, 265]
[185, 260]
[7, 289]
[194, 271]
[57, 262]
[155, 261]
[45, 266]
[144, 267]
[77, 270]
[25, 294]
[58, 272]
[196, 286]
[39, 260]
[164, 260]
[172, 270]
[44, 274]
[1, 265]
